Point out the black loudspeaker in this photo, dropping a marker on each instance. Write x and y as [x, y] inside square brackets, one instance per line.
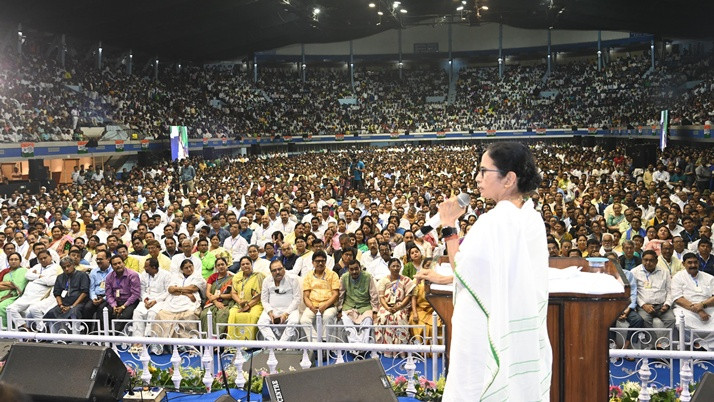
[292, 147]
[38, 171]
[362, 380]
[288, 360]
[92, 143]
[578, 140]
[143, 158]
[209, 153]
[588, 141]
[5, 347]
[705, 390]
[77, 373]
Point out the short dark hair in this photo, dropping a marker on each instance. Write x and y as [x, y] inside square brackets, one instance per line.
[517, 158]
[649, 252]
[153, 262]
[319, 253]
[687, 256]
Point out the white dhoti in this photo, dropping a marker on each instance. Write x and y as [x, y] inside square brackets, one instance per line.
[358, 326]
[702, 332]
[141, 316]
[286, 331]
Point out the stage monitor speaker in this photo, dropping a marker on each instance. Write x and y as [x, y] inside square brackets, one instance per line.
[705, 390]
[288, 360]
[362, 380]
[5, 349]
[78, 373]
[38, 171]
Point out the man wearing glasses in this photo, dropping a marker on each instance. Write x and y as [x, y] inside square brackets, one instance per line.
[693, 292]
[321, 287]
[281, 300]
[654, 295]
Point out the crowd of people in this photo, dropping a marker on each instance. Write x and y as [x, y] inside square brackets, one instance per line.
[266, 243]
[39, 101]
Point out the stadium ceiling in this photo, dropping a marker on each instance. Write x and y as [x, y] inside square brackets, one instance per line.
[212, 30]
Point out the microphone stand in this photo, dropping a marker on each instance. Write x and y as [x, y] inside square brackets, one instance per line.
[229, 397]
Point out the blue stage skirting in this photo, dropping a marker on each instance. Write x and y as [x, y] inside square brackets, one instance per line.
[620, 371]
[239, 395]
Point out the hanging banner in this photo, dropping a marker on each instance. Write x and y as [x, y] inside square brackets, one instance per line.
[309, 137]
[224, 140]
[82, 147]
[491, 133]
[639, 130]
[119, 145]
[287, 137]
[540, 130]
[205, 141]
[28, 149]
[707, 131]
[394, 135]
[440, 134]
[339, 137]
[144, 144]
[592, 130]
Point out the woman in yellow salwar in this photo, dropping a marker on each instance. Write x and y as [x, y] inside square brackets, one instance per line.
[422, 310]
[246, 295]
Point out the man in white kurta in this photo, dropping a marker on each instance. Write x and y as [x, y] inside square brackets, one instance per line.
[37, 299]
[182, 304]
[280, 295]
[500, 348]
[693, 293]
[154, 290]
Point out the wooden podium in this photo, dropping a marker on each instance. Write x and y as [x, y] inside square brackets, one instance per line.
[578, 326]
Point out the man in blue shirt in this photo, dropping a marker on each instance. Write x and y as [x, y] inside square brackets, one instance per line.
[357, 169]
[97, 286]
[188, 174]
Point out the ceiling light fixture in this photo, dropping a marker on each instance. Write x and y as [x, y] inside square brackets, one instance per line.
[403, 11]
[316, 10]
[484, 8]
[372, 5]
[380, 13]
[459, 8]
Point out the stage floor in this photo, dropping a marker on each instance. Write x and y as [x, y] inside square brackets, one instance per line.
[393, 367]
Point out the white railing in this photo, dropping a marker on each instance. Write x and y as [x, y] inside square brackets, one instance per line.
[687, 358]
[202, 343]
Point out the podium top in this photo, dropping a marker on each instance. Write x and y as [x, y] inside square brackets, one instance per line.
[610, 269]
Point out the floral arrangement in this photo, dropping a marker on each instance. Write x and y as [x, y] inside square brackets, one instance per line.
[192, 378]
[629, 391]
[426, 390]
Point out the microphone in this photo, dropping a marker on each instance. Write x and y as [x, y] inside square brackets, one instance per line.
[463, 199]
